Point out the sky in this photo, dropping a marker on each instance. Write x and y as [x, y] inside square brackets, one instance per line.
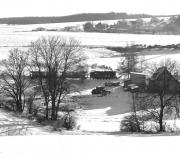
[22, 8]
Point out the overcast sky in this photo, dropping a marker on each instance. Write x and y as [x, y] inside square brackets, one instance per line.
[19, 8]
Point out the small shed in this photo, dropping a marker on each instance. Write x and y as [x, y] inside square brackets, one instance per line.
[138, 78]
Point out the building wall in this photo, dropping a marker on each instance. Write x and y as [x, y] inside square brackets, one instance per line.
[167, 84]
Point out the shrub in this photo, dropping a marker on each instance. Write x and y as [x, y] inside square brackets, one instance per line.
[69, 121]
[40, 118]
[145, 123]
[130, 124]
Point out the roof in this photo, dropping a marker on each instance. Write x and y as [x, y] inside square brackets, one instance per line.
[160, 71]
[139, 73]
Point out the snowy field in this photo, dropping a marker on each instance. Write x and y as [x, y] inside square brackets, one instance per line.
[13, 35]
[68, 146]
[11, 38]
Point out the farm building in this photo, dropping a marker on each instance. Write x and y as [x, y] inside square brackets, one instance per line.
[74, 75]
[36, 74]
[79, 74]
[163, 80]
[103, 75]
[138, 78]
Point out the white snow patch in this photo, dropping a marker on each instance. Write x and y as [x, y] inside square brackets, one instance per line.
[69, 146]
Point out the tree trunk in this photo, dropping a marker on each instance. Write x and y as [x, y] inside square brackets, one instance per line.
[47, 110]
[20, 105]
[57, 108]
[53, 113]
[30, 107]
[177, 111]
[20, 96]
[17, 105]
[161, 129]
[135, 114]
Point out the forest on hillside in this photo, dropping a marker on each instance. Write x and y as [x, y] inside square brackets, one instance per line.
[71, 18]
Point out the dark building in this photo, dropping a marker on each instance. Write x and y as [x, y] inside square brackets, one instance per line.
[138, 78]
[44, 74]
[163, 80]
[103, 75]
[37, 74]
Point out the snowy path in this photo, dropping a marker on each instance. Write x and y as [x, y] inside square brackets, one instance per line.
[103, 114]
[99, 121]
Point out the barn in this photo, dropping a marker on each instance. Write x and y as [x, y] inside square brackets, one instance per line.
[163, 80]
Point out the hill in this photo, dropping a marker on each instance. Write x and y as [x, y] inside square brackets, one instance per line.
[173, 26]
[72, 18]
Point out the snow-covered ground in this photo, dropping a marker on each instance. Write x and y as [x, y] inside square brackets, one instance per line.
[97, 115]
[104, 114]
[69, 146]
[13, 125]
[100, 114]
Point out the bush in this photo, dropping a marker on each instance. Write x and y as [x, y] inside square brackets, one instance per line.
[40, 118]
[9, 105]
[145, 123]
[69, 121]
[130, 124]
[135, 123]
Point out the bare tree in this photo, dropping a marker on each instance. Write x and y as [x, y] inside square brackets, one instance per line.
[128, 63]
[161, 97]
[52, 58]
[171, 65]
[14, 77]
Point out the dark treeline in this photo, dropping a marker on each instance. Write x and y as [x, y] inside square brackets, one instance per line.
[138, 26]
[140, 48]
[72, 18]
